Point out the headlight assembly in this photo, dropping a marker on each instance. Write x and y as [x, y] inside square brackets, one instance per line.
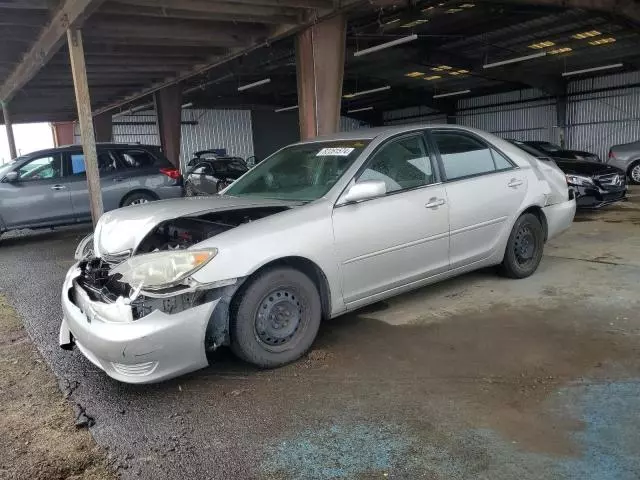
[160, 270]
[84, 248]
[579, 180]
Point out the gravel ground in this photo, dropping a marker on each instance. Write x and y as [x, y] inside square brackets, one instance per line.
[478, 377]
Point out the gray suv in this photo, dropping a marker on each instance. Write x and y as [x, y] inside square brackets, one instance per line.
[627, 157]
[49, 187]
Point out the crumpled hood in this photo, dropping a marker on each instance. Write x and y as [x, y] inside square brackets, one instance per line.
[121, 230]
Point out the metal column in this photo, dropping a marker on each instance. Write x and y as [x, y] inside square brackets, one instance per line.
[169, 113]
[9, 127]
[320, 51]
[83, 104]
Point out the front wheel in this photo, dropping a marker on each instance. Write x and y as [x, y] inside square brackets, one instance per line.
[524, 248]
[276, 318]
[634, 173]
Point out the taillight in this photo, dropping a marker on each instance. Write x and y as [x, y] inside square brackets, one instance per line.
[172, 173]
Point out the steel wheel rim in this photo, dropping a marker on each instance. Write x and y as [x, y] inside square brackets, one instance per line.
[139, 201]
[279, 319]
[525, 246]
[635, 173]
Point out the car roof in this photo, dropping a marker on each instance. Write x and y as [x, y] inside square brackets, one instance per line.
[383, 132]
[100, 145]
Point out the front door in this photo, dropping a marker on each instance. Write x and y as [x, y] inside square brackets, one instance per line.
[485, 191]
[391, 241]
[39, 196]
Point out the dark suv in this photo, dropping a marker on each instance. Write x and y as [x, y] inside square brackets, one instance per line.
[49, 187]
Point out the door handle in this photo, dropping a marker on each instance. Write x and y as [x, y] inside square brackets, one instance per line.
[514, 183]
[59, 187]
[118, 179]
[435, 202]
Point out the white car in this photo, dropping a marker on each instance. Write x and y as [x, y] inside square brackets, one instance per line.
[318, 229]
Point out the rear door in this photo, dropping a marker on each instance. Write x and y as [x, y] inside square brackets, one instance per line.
[39, 196]
[143, 168]
[484, 190]
[112, 185]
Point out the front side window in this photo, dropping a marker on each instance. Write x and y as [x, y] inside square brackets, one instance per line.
[303, 172]
[465, 156]
[41, 168]
[401, 164]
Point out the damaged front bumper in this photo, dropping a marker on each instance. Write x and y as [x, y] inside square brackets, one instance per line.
[149, 349]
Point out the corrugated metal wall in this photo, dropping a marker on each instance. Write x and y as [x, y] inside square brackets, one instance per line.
[596, 121]
[531, 118]
[422, 114]
[230, 129]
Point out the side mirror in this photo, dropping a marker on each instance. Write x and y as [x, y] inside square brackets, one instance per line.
[11, 177]
[365, 190]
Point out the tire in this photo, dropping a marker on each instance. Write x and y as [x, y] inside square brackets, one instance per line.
[634, 173]
[137, 199]
[524, 248]
[289, 325]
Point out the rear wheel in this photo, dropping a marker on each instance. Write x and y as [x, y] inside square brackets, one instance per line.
[137, 198]
[634, 173]
[524, 248]
[276, 318]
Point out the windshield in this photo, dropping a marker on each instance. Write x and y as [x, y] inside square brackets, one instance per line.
[546, 147]
[236, 164]
[300, 172]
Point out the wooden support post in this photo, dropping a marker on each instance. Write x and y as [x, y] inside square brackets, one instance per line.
[9, 128]
[320, 51]
[83, 104]
[169, 114]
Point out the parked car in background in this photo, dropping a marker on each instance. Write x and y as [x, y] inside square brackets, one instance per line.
[594, 184]
[49, 187]
[627, 157]
[208, 154]
[555, 151]
[211, 175]
[318, 229]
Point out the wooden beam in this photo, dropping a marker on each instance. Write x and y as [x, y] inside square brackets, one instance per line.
[83, 104]
[213, 7]
[629, 9]
[29, 4]
[133, 11]
[306, 4]
[9, 128]
[72, 13]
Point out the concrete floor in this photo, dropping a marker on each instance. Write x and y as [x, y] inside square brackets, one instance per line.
[478, 377]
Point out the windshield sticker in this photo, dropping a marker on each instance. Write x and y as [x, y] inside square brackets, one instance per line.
[335, 152]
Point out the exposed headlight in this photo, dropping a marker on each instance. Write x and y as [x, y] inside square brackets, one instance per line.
[579, 180]
[84, 248]
[163, 269]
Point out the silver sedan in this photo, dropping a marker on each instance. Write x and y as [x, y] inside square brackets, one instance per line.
[320, 228]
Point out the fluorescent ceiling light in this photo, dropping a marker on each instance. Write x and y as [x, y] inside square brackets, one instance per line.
[559, 50]
[451, 94]
[602, 41]
[187, 105]
[433, 77]
[515, 60]
[545, 44]
[367, 92]
[467, 5]
[594, 69]
[415, 23]
[390, 22]
[241, 88]
[286, 109]
[414, 74]
[356, 110]
[441, 68]
[454, 10]
[382, 46]
[590, 33]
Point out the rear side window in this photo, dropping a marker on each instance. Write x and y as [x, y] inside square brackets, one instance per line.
[137, 158]
[465, 156]
[106, 163]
